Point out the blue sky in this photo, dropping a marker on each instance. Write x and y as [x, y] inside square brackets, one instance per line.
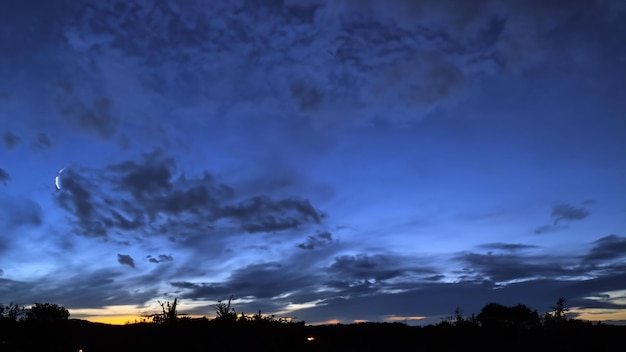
[332, 161]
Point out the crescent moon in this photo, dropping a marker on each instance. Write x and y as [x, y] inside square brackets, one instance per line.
[57, 179]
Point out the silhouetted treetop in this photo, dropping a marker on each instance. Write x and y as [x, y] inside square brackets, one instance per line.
[46, 312]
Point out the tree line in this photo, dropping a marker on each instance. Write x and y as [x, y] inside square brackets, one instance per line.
[491, 315]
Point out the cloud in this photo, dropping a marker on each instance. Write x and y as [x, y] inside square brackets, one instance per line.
[43, 141]
[562, 214]
[77, 198]
[263, 280]
[151, 197]
[607, 248]
[263, 214]
[96, 116]
[307, 96]
[321, 239]
[160, 259]
[11, 140]
[568, 212]
[504, 268]
[4, 177]
[512, 247]
[126, 259]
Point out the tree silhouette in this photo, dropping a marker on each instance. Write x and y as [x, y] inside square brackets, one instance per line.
[11, 312]
[519, 316]
[168, 315]
[559, 311]
[46, 312]
[225, 312]
[558, 315]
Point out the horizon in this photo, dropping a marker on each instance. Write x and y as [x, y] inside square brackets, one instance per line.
[325, 160]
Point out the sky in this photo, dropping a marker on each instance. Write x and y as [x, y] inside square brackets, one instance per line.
[332, 161]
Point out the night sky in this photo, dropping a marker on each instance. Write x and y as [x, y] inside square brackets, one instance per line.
[332, 161]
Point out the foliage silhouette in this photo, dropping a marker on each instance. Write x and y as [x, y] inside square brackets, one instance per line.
[168, 314]
[225, 313]
[558, 315]
[495, 315]
[495, 328]
[46, 312]
[12, 312]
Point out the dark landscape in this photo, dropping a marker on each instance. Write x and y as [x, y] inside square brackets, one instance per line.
[47, 327]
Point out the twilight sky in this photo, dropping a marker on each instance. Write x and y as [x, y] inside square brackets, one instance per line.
[334, 160]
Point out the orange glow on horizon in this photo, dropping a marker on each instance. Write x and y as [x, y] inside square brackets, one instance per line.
[592, 314]
[394, 318]
[327, 322]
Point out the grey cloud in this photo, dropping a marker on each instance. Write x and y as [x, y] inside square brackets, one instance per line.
[568, 212]
[506, 267]
[589, 201]
[77, 198]
[149, 198]
[321, 239]
[607, 248]
[264, 280]
[561, 215]
[4, 177]
[126, 259]
[85, 289]
[152, 176]
[96, 117]
[263, 214]
[11, 140]
[507, 246]
[160, 259]
[307, 96]
[355, 268]
[548, 229]
[43, 140]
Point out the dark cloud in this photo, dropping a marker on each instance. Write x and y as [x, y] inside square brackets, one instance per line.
[11, 140]
[502, 268]
[321, 239]
[87, 288]
[561, 215]
[263, 214]
[589, 202]
[160, 259]
[96, 117]
[347, 268]
[507, 246]
[150, 197]
[4, 177]
[568, 212]
[549, 229]
[264, 280]
[606, 249]
[77, 198]
[43, 140]
[126, 259]
[307, 96]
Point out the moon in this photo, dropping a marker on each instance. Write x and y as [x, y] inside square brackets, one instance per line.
[57, 179]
